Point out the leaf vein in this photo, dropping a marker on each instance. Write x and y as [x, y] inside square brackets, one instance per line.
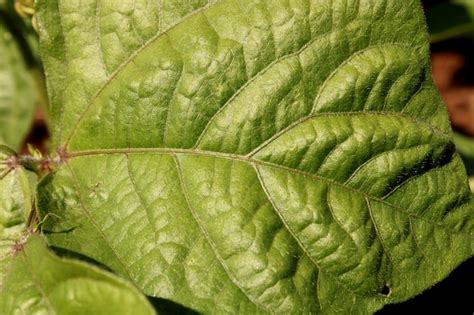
[290, 230]
[140, 198]
[379, 236]
[245, 159]
[37, 283]
[94, 223]
[434, 129]
[99, 42]
[209, 239]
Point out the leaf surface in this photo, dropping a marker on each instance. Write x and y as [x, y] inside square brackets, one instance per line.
[40, 283]
[255, 156]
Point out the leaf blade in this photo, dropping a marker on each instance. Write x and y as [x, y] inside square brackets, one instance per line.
[282, 147]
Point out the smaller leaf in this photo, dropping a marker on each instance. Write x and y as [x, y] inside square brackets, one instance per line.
[450, 20]
[16, 199]
[39, 282]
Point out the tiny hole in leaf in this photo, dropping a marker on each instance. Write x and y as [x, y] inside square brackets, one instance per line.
[385, 290]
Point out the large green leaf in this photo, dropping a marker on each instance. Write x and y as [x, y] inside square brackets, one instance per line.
[254, 156]
[40, 283]
[17, 91]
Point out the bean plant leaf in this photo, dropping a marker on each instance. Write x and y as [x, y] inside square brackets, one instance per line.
[17, 91]
[253, 156]
[16, 201]
[39, 282]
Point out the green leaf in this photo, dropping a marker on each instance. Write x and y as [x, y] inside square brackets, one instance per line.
[17, 91]
[16, 201]
[254, 156]
[40, 283]
[450, 19]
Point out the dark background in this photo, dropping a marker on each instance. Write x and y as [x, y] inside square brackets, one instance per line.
[452, 296]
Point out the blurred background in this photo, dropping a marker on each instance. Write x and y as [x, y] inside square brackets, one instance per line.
[451, 29]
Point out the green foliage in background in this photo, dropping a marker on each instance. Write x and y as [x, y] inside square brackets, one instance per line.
[450, 19]
[17, 92]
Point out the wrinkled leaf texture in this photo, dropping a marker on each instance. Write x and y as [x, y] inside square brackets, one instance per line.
[253, 156]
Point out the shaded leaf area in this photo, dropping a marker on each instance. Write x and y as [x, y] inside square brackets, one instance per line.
[253, 157]
[167, 307]
[17, 91]
[37, 282]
